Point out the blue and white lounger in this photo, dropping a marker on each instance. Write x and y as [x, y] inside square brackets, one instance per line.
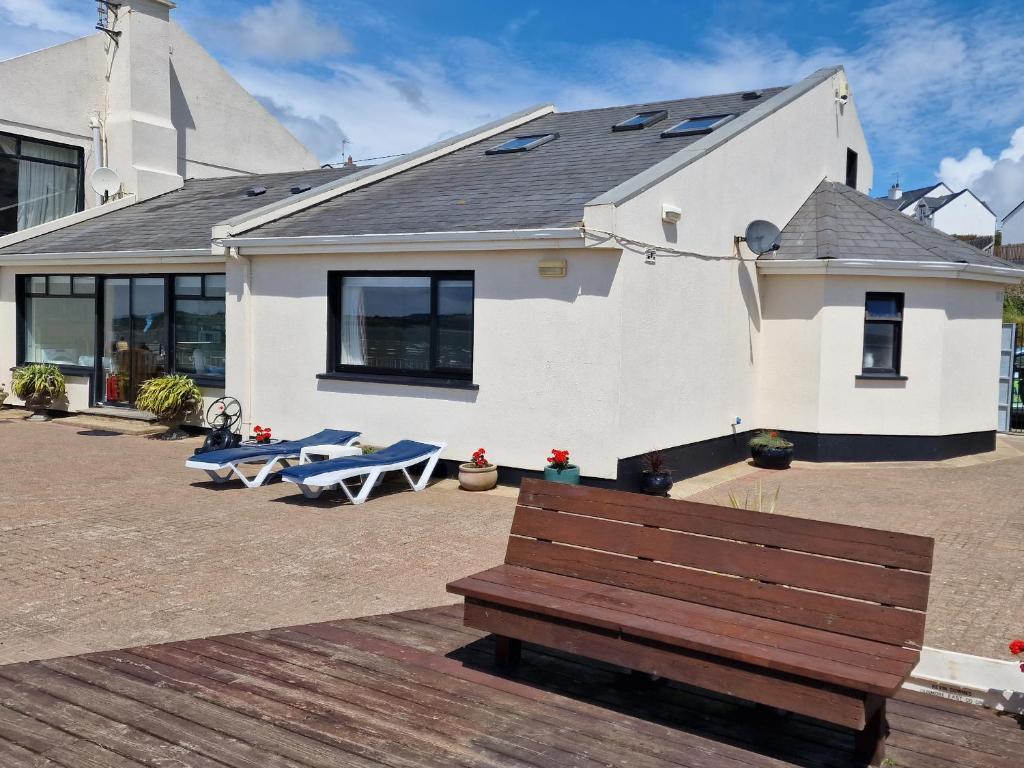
[313, 478]
[229, 460]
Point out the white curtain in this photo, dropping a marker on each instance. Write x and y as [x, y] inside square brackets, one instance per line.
[45, 192]
[353, 320]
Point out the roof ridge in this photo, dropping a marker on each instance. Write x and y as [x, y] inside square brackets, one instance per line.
[658, 102]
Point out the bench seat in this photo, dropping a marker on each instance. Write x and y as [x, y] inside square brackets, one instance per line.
[850, 662]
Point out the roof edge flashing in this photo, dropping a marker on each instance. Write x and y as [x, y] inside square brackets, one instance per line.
[375, 173]
[890, 268]
[693, 152]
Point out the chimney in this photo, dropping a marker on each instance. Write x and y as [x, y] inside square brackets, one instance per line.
[895, 193]
[142, 142]
[350, 161]
[923, 213]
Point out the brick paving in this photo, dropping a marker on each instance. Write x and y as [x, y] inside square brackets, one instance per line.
[108, 542]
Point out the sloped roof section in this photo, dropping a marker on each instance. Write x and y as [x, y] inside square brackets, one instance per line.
[468, 190]
[838, 222]
[181, 219]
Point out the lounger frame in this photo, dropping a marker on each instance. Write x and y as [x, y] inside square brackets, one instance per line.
[317, 484]
[272, 463]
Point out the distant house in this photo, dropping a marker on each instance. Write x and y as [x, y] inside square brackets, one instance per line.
[576, 280]
[955, 213]
[145, 100]
[1013, 226]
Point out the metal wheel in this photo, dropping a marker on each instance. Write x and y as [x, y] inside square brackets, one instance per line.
[224, 413]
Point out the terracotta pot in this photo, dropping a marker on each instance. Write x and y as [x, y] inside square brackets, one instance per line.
[474, 478]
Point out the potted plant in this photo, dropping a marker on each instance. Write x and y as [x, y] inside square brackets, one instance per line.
[172, 399]
[770, 450]
[263, 435]
[1017, 648]
[559, 470]
[38, 384]
[656, 479]
[478, 474]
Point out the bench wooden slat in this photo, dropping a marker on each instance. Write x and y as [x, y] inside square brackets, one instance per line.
[695, 638]
[823, 644]
[765, 686]
[897, 550]
[906, 589]
[808, 609]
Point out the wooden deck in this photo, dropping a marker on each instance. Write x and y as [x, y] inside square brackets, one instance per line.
[416, 689]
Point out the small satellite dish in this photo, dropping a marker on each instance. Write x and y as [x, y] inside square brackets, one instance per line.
[762, 236]
[105, 181]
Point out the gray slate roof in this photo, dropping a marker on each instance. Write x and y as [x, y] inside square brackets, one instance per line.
[544, 187]
[838, 222]
[183, 218]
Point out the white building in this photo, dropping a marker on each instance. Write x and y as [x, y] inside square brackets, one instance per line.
[573, 280]
[1013, 226]
[145, 100]
[955, 213]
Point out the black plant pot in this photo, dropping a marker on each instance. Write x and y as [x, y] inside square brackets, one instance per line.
[772, 458]
[656, 483]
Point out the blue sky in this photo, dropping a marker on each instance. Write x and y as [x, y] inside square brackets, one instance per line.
[939, 85]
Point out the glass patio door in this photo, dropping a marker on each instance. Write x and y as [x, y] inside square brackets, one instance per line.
[134, 336]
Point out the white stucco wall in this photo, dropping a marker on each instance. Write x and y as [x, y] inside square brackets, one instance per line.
[1013, 228]
[691, 327]
[78, 386]
[546, 355]
[812, 346]
[965, 216]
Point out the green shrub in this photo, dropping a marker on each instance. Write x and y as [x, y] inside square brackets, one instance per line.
[38, 382]
[169, 397]
[769, 439]
[756, 501]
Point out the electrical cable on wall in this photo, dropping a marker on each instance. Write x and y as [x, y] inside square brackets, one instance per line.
[651, 251]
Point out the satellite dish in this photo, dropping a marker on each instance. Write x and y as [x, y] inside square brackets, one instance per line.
[762, 236]
[105, 181]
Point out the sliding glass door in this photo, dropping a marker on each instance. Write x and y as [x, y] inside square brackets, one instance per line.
[134, 334]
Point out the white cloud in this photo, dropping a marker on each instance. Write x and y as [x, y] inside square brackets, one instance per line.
[288, 31]
[320, 133]
[48, 15]
[998, 182]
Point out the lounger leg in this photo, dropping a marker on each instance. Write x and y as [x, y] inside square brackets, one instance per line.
[364, 492]
[869, 744]
[428, 470]
[217, 477]
[309, 491]
[265, 472]
[507, 651]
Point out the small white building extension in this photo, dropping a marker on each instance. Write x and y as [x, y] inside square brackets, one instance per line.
[1013, 226]
[574, 280]
[145, 100]
[955, 213]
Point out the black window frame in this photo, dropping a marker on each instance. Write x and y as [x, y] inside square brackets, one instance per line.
[680, 129]
[435, 376]
[877, 372]
[538, 140]
[22, 280]
[78, 166]
[851, 168]
[171, 287]
[648, 117]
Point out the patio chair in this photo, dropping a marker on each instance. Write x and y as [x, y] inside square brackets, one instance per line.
[221, 465]
[314, 478]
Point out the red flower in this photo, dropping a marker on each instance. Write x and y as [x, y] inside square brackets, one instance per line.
[1017, 647]
[558, 459]
[479, 458]
[774, 433]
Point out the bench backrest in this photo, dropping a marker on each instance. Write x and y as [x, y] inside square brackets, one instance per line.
[855, 581]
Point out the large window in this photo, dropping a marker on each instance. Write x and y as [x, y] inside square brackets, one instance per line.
[402, 324]
[883, 334]
[199, 336]
[39, 181]
[59, 319]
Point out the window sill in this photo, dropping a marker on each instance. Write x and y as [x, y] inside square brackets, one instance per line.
[408, 381]
[880, 377]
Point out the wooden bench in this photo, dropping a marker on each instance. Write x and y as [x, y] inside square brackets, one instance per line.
[817, 618]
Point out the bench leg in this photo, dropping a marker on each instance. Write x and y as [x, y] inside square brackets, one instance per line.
[507, 651]
[869, 744]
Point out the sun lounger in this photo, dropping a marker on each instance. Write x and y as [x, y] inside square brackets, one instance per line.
[221, 465]
[314, 478]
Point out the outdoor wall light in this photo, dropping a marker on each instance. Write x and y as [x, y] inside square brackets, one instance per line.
[552, 268]
[671, 214]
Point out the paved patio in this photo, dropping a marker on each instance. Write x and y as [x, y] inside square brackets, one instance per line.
[108, 542]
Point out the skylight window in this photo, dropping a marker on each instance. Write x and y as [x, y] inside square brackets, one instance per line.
[522, 144]
[693, 126]
[641, 120]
